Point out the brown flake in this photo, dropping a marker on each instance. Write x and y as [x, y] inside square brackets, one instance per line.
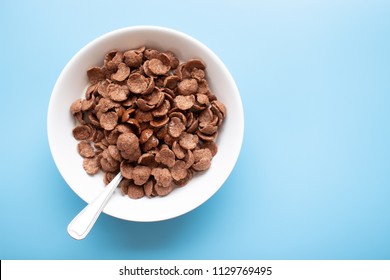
[141, 174]
[178, 150]
[197, 74]
[189, 159]
[187, 86]
[112, 136]
[76, 106]
[176, 127]
[102, 88]
[126, 169]
[205, 117]
[135, 192]
[162, 176]
[156, 98]
[166, 157]
[127, 142]
[132, 155]
[82, 132]
[179, 170]
[162, 110]
[184, 181]
[193, 127]
[149, 189]
[194, 63]
[202, 165]
[114, 152]
[220, 106]
[211, 145]
[124, 186]
[105, 104]
[151, 53]
[142, 116]
[203, 87]
[202, 99]
[158, 67]
[108, 177]
[163, 191]
[134, 124]
[109, 166]
[147, 159]
[144, 105]
[91, 90]
[133, 58]
[137, 83]
[95, 74]
[179, 115]
[208, 129]
[205, 137]
[184, 102]
[91, 165]
[149, 88]
[122, 73]
[151, 143]
[109, 120]
[188, 141]
[171, 81]
[159, 122]
[147, 71]
[126, 114]
[117, 92]
[85, 149]
[174, 61]
[202, 153]
[145, 135]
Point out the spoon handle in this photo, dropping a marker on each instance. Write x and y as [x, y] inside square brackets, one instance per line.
[80, 226]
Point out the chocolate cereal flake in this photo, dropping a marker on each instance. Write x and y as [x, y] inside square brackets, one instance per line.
[166, 157]
[149, 189]
[179, 170]
[85, 149]
[162, 176]
[188, 141]
[76, 106]
[82, 132]
[133, 58]
[184, 102]
[122, 73]
[134, 191]
[176, 127]
[91, 165]
[109, 120]
[163, 191]
[158, 67]
[141, 174]
[202, 165]
[126, 169]
[124, 186]
[187, 86]
[137, 83]
[95, 74]
[117, 92]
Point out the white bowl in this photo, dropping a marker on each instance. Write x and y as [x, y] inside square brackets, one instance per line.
[71, 85]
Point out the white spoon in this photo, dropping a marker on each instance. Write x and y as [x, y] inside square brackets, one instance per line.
[80, 226]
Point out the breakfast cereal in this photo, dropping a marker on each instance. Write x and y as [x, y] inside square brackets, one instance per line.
[150, 117]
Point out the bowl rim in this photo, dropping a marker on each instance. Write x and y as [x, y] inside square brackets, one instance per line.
[116, 32]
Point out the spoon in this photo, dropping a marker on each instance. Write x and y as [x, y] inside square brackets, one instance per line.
[80, 226]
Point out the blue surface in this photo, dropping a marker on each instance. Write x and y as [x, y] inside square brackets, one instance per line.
[312, 180]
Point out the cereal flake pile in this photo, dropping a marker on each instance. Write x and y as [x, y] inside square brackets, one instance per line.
[150, 117]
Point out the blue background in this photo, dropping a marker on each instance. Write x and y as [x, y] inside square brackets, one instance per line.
[312, 180]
